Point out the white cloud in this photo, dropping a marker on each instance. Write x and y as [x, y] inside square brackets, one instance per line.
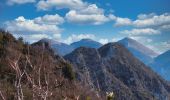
[32, 29]
[166, 44]
[145, 21]
[90, 15]
[74, 17]
[142, 39]
[59, 4]
[165, 27]
[160, 47]
[72, 38]
[115, 39]
[91, 9]
[49, 19]
[122, 21]
[140, 32]
[103, 41]
[32, 38]
[79, 12]
[146, 16]
[12, 2]
[153, 21]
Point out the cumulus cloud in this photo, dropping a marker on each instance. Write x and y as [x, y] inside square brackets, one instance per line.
[79, 12]
[59, 4]
[49, 19]
[144, 40]
[165, 45]
[31, 38]
[165, 27]
[146, 20]
[35, 28]
[160, 47]
[145, 16]
[122, 21]
[153, 21]
[140, 32]
[74, 37]
[90, 15]
[12, 2]
[96, 19]
[103, 41]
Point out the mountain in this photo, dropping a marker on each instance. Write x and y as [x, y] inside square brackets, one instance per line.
[140, 51]
[58, 47]
[63, 49]
[34, 72]
[112, 68]
[161, 65]
[86, 43]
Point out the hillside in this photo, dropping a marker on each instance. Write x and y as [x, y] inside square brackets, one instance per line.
[113, 68]
[36, 72]
[33, 72]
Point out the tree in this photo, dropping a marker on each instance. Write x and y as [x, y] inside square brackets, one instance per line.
[68, 72]
[20, 39]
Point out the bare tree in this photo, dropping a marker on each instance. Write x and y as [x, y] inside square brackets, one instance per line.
[19, 75]
[2, 96]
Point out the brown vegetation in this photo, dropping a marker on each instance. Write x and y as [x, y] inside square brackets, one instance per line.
[33, 72]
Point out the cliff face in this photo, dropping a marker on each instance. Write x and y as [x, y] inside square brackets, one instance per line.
[112, 68]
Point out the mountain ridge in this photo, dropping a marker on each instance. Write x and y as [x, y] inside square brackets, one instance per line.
[86, 43]
[121, 70]
[161, 65]
[63, 48]
[140, 51]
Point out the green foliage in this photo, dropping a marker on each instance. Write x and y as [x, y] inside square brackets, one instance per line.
[88, 98]
[68, 71]
[20, 43]
[20, 39]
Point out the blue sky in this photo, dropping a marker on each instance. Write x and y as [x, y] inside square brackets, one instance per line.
[147, 21]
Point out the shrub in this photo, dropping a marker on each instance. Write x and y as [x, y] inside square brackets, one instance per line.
[68, 71]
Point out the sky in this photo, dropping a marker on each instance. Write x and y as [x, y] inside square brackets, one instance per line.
[147, 21]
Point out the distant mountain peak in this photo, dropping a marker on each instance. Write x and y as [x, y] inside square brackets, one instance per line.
[50, 41]
[140, 51]
[58, 47]
[86, 43]
[127, 38]
[130, 41]
[161, 65]
[86, 39]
